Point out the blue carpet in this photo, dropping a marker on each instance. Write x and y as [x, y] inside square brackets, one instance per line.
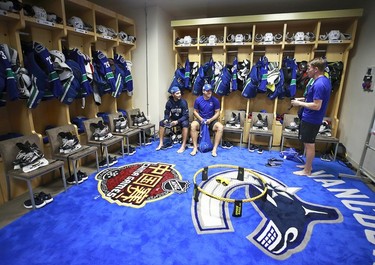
[80, 227]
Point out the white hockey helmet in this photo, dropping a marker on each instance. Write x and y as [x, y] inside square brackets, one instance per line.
[40, 13]
[123, 36]
[102, 30]
[75, 22]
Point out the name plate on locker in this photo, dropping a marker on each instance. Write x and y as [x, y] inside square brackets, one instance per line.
[107, 37]
[45, 22]
[127, 42]
[334, 41]
[299, 42]
[80, 30]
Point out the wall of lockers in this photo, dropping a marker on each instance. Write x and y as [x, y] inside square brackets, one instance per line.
[275, 37]
[58, 32]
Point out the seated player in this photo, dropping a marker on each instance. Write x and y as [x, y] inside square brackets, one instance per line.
[176, 113]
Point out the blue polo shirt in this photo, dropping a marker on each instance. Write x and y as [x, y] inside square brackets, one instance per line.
[319, 90]
[206, 108]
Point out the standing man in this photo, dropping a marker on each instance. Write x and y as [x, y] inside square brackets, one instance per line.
[206, 110]
[314, 107]
[176, 113]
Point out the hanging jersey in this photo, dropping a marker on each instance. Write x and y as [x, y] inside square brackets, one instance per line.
[257, 79]
[128, 79]
[289, 69]
[178, 79]
[21, 75]
[8, 82]
[222, 85]
[81, 59]
[187, 75]
[234, 71]
[279, 88]
[39, 79]
[118, 74]
[250, 86]
[103, 68]
[193, 74]
[44, 58]
[204, 76]
[45, 81]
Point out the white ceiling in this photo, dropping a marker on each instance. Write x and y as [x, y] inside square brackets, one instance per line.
[186, 9]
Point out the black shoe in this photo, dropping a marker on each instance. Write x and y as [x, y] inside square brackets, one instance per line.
[167, 146]
[228, 145]
[83, 175]
[112, 160]
[130, 151]
[47, 198]
[271, 163]
[71, 180]
[327, 157]
[260, 150]
[39, 203]
[253, 148]
[273, 159]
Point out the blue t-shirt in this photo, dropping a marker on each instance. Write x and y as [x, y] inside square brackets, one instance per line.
[319, 90]
[206, 108]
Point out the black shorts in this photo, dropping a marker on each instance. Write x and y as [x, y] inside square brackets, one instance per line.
[308, 132]
[210, 126]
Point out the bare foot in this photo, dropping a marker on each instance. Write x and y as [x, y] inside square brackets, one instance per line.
[302, 173]
[181, 150]
[214, 154]
[300, 166]
[194, 152]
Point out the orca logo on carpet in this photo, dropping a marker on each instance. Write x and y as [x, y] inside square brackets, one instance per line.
[136, 184]
[286, 221]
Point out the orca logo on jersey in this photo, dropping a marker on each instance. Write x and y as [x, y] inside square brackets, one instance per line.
[122, 59]
[136, 184]
[39, 48]
[286, 222]
[101, 55]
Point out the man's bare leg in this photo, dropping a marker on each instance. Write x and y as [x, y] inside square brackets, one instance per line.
[161, 136]
[310, 154]
[184, 139]
[194, 137]
[218, 128]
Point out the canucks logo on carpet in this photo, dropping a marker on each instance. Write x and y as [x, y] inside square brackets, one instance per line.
[286, 221]
[136, 184]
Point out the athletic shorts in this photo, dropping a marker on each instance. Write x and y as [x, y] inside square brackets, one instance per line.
[211, 126]
[184, 124]
[308, 132]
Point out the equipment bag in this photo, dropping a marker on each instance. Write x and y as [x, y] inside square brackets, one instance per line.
[205, 144]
